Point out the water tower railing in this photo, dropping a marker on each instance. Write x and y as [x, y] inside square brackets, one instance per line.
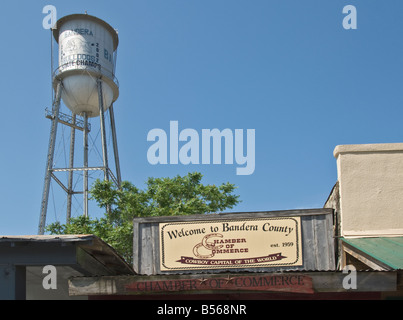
[111, 175]
[68, 120]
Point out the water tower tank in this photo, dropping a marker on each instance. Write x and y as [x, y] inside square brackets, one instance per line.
[87, 46]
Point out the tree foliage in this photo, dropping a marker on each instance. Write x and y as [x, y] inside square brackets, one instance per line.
[162, 197]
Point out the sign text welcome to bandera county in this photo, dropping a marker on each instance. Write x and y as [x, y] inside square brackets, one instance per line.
[222, 244]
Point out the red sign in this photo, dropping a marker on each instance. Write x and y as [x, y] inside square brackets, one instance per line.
[271, 283]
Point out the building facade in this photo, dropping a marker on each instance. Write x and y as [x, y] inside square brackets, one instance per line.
[350, 249]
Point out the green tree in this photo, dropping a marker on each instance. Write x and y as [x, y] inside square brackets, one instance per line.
[162, 197]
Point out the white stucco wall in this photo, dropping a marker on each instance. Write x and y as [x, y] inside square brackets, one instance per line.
[371, 189]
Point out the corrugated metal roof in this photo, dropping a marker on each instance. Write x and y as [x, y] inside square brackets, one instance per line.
[386, 250]
[46, 238]
[91, 244]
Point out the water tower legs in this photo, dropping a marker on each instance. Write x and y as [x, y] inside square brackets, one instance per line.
[115, 146]
[49, 161]
[83, 125]
[103, 132]
[85, 172]
[71, 166]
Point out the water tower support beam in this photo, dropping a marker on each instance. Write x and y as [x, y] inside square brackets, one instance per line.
[71, 165]
[49, 162]
[115, 146]
[103, 132]
[85, 176]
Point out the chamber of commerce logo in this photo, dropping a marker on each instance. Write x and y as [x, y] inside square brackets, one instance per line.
[211, 247]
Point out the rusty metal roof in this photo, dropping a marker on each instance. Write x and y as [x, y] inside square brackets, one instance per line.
[46, 238]
[91, 244]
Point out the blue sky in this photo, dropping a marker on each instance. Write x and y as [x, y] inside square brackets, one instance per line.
[287, 69]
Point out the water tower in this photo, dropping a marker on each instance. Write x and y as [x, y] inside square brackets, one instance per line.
[85, 81]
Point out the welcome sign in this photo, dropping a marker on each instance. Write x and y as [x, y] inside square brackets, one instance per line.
[235, 243]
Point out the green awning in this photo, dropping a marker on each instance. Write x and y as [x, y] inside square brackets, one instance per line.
[388, 251]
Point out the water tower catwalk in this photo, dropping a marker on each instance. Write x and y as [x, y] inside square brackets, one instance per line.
[85, 81]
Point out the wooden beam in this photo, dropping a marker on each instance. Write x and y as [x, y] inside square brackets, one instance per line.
[236, 215]
[292, 282]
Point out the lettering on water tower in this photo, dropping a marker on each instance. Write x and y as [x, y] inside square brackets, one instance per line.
[77, 51]
[86, 46]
